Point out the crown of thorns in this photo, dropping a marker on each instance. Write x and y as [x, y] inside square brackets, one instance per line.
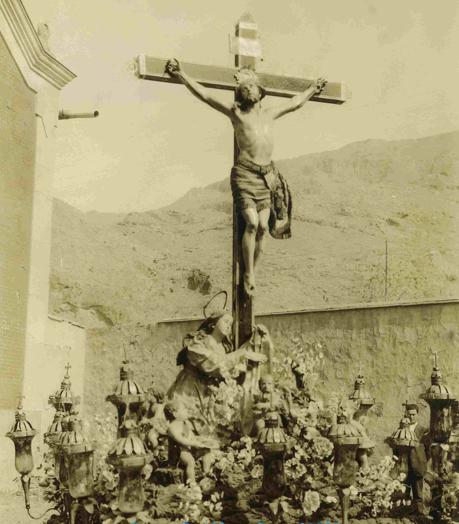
[246, 75]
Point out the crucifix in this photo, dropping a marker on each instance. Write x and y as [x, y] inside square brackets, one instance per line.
[246, 48]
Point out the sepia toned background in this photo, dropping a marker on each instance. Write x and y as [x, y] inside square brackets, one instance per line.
[142, 153]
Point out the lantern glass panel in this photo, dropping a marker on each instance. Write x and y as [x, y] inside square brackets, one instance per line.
[80, 479]
[346, 466]
[131, 496]
[402, 454]
[61, 469]
[440, 421]
[23, 459]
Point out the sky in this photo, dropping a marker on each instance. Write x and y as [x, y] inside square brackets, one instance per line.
[153, 142]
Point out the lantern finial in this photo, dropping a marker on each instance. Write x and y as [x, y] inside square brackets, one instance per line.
[20, 402]
[126, 357]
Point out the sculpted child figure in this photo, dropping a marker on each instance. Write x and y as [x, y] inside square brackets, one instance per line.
[188, 445]
[153, 416]
[254, 176]
[267, 400]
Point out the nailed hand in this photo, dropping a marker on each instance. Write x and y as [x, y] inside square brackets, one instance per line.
[173, 67]
[319, 85]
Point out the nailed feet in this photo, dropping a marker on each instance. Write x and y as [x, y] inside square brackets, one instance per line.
[249, 284]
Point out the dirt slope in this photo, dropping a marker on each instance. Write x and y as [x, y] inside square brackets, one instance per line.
[141, 267]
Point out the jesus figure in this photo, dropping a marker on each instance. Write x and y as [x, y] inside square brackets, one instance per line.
[253, 176]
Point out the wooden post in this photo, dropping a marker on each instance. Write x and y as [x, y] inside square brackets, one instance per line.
[243, 305]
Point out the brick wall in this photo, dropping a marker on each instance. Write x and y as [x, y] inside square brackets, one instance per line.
[17, 159]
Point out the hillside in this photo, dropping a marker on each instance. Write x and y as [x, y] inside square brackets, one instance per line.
[347, 203]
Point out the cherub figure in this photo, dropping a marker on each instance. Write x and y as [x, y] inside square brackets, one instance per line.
[152, 411]
[188, 445]
[266, 401]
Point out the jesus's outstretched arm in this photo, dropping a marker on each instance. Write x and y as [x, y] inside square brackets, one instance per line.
[174, 69]
[299, 100]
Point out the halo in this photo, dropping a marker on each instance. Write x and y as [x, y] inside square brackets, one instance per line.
[223, 292]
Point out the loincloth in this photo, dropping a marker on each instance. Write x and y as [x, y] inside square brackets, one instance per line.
[251, 184]
[263, 187]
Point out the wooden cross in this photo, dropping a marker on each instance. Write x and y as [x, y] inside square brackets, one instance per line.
[247, 44]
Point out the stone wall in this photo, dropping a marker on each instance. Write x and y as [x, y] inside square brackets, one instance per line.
[391, 344]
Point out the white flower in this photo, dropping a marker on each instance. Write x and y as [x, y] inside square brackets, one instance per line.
[311, 502]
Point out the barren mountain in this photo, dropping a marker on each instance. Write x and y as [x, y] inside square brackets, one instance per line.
[143, 267]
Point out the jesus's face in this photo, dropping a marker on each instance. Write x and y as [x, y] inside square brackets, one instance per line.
[250, 92]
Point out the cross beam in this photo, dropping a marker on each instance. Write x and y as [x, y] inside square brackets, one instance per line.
[216, 77]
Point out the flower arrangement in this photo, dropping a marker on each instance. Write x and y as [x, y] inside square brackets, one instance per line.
[376, 492]
[310, 493]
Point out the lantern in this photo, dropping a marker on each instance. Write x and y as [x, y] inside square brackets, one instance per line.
[64, 399]
[129, 456]
[346, 437]
[59, 458]
[454, 437]
[402, 441]
[440, 400]
[55, 429]
[361, 396]
[127, 397]
[22, 434]
[273, 445]
[364, 402]
[77, 453]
